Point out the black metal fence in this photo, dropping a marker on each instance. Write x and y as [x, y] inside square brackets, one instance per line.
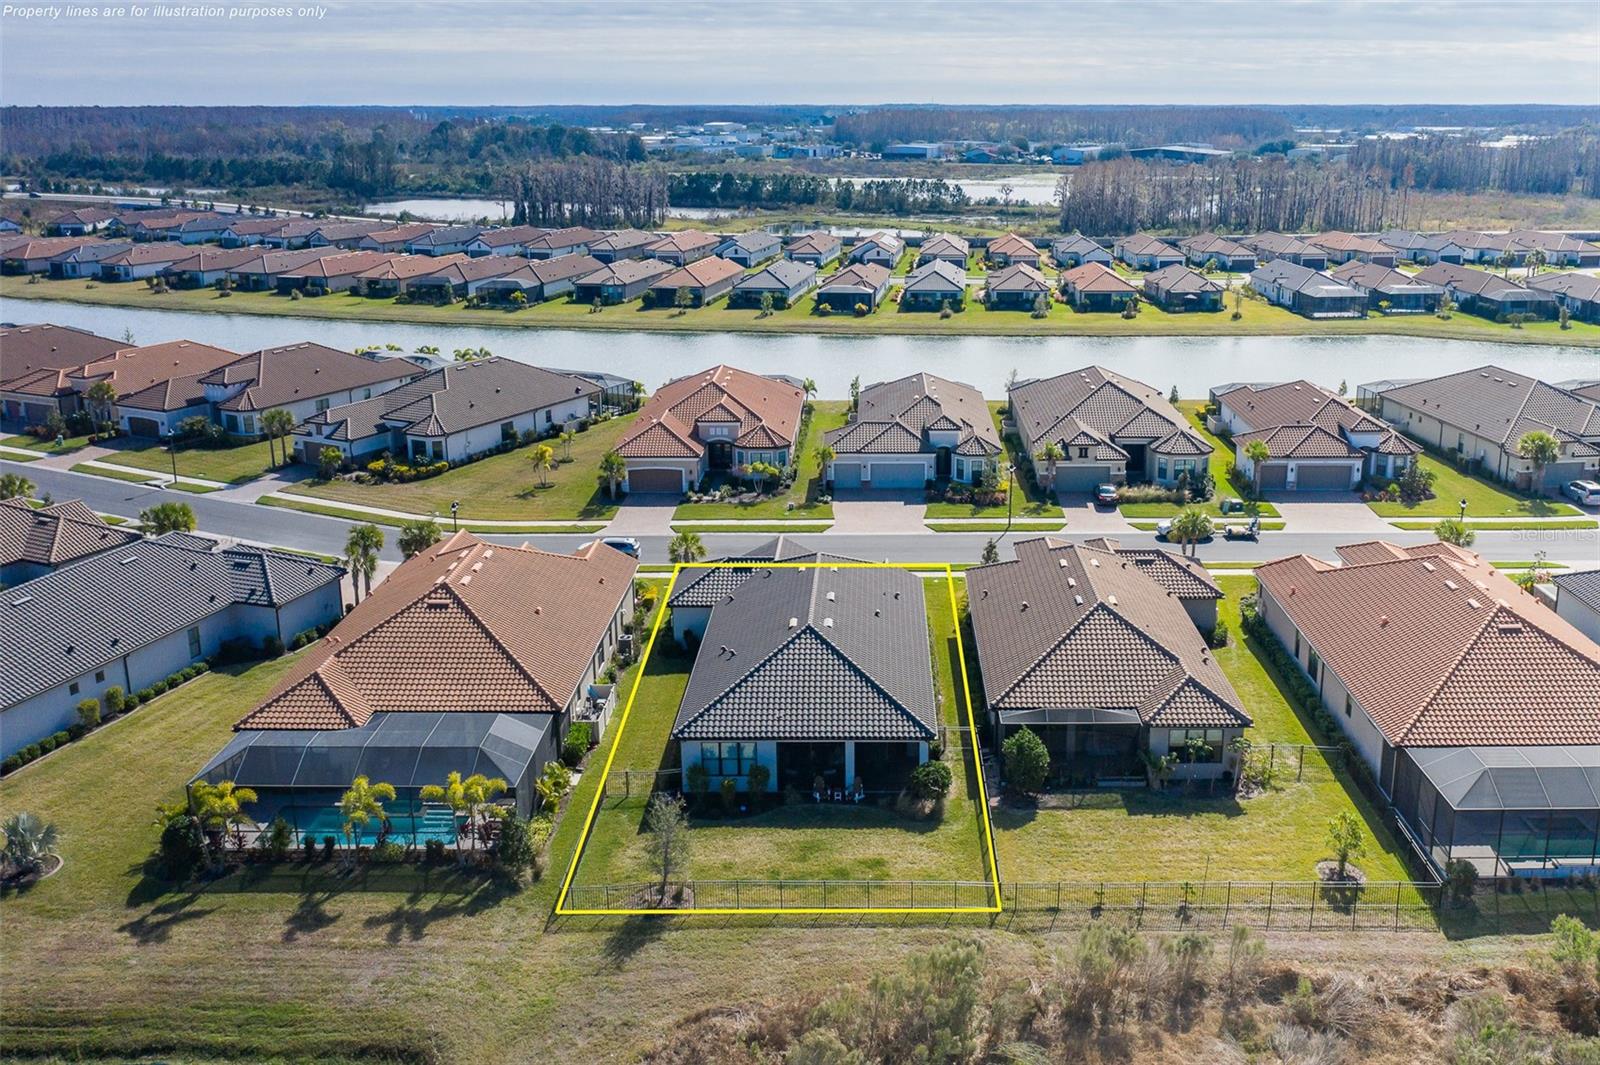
[799, 896]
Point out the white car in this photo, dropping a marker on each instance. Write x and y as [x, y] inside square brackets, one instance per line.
[1163, 527]
[1584, 492]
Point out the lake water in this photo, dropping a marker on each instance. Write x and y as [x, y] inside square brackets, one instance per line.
[1194, 364]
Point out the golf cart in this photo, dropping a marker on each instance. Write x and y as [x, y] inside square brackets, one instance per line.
[1249, 531]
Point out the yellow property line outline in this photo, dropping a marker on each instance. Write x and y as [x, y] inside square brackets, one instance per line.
[965, 693]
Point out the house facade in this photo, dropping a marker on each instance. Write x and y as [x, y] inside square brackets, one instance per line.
[880, 249]
[1077, 250]
[1017, 288]
[786, 281]
[751, 248]
[1144, 252]
[1109, 429]
[616, 244]
[1178, 289]
[537, 279]
[619, 282]
[1307, 292]
[1316, 440]
[1012, 250]
[1096, 287]
[933, 286]
[1578, 293]
[945, 247]
[1271, 246]
[860, 285]
[909, 432]
[682, 248]
[1208, 248]
[1488, 295]
[1389, 291]
[711, 423]
[817, 249]
[304, 379]
[1343, 247]
[706, 280]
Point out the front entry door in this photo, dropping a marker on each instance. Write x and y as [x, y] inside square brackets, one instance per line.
[721, 453]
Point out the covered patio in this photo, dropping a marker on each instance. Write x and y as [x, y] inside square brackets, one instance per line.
[1510, 811]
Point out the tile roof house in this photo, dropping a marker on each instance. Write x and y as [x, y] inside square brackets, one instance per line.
[619, 281]
[157, 385]
[1560, 249]
[818, 249]
[1178, 289]
[617, 244]
[504, 240]
[446, 241]
[1388, 290]
[458, 275]
[1316, 440]
[1422, 248]
[1344, 247]
[860, 285]
[393, 277]
[261, 274]
[751, 248]
[1144, 252]
[34, 542]
[1019, 287]
[34, 358]
[1111, 430]
[394, 240]
[1438, 668]
[554, 243]
[536, 279]
[302, 378]
[80, 221]
[294, 234]
[205, 266]
[247, 230]
[817, 672]
[528, 633]
[1578, 293]
[1270, 246]
[934, 285]
[1077, 250]
[32, 255]
[1307, 292]
[1011, 250]
[142, 260]
[705, 280]
[1483, 413]
[1210, 248]
[452, 414]
[785, 280]
[1094, 286]
[85, 259]
[908, 432]
[349, 235]
[711, 422]
[698, 589]
[682, 247]
[332, 273]
[1489, 295]
[1578, 600]
[879, 249]
[947, 247]
[136, 615]
[1096, 650]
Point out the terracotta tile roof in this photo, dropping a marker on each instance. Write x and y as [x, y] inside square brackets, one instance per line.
[25, 349]
[1084, 629]
[869, 276]
[1018, 278]
[817, 243]
[1299, 442]
[519, 628]
[1096, 277]
[341, 265]
[665, 425]
[685, 240]
[145, 254]
[1145, 244]
[1441, 649]
[1180, 280]
[53, 535]
[700, 273]
[208, 259]
[1336, 240]
[132, 371]
[571, 237]
[1210, 244]
[1275, 245]
[403, 267]
[1013, 245]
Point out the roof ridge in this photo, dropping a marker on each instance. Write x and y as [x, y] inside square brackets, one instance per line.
[904, 710]
[1455, 667]
[488, 632]
[1100, 606]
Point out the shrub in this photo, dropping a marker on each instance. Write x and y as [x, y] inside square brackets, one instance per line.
[47, 745]
[862, 310]
[576, 745]
[130, 702]
[116, 702]
[272, 646]
[931, 780]
[177, 679]
[182, 849]
[1218, 636]
[514, 850]
[1027, 761]
[730, 794]
[433, 851]
[1461, 879]
[328, 843]
[145, 695]
[698, 779]
[388, 851]
[11, 764]
[759, 777]
[89, 713]
[278, 839]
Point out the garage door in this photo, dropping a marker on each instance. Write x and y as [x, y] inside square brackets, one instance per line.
[1559, 473]
[899, 475]
[144, 427]
[847, 475]
[1081, 478]
[655, 481]
[1274, 475]
[1322, 478]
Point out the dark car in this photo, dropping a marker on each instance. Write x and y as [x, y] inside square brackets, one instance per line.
[1106, 495]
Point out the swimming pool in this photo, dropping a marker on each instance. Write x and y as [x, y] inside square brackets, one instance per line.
[432, 822]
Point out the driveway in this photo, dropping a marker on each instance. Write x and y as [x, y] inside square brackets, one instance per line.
[1086, 518]
[1341, 512]
[879, 512]
[644, 514]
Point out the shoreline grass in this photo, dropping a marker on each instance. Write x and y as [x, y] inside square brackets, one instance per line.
[1259, 318]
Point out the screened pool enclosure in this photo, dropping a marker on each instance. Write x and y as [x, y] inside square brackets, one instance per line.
[300, 775]
[1510, 811]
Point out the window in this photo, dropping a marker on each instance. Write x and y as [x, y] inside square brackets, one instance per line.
[72, 689]
[1083, 452]
[194, 641]
[249, 424]
[1297, 647]
[508, 431]
[548, 417]
[233, 423]
[1178, 740]
[322, 404]
[1347, 704]
[100, 676]
[1161, 469]
[1314, 667]
[961, 469]
[438, 450]
[366, 393]
[727, 759]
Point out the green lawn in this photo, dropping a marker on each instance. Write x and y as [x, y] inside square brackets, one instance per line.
[499, 488]
[1504, 526]
[333, 510]
[1221, 463]
[802, 841]
[807, 486]
[232, 465]
[1030, 502]
[132, 476]
[1260, 319]
[1485, 499]
[45, 447]
[1138, 835]
[993, 526]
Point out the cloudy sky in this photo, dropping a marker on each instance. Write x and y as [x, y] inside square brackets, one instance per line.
[820, 51]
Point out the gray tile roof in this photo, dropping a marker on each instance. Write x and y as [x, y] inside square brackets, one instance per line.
[64, 624]
[1100, 405]
[895, 416]
[1386, 280]
[55, 535]
[815, 654]
[293, 372]
[1299, 278]
[708, 585]
[1582, 585]
[937, 275]
[1085, 630]
[1501, 405]
[783, 275]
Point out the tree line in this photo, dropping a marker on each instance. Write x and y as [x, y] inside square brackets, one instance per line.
[1569, 163]
[586, 192]
[1223, 126]
[887, 196]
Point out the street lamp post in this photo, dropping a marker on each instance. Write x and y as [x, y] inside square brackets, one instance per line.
[1011, 470]
[1463, 515]
[455, 523]
[172, 452]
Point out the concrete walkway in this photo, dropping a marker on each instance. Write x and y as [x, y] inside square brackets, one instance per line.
[879, 515]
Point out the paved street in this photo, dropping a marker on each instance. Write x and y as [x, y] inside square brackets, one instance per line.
[312, 532]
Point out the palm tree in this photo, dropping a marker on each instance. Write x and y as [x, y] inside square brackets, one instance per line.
[543, 457]
[1536, 258]
[469, 796]
[1190, 527]
[362, 548]
[809, 387]
[825, 455]
[167, 517]
[567, 437]
[278, 423]
[30, 842]
[417, 536]
[686, 547]
[102, 394]
[613, 468]
[15, 486]
[1051, 454]
[1257, 452]
[1506, 260]
[1454, 531]
[359, 806]
[1541, 449]
[220, 807]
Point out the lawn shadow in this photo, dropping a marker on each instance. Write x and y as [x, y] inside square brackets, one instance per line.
[156, 925]
[630, 937]
[411, 919]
